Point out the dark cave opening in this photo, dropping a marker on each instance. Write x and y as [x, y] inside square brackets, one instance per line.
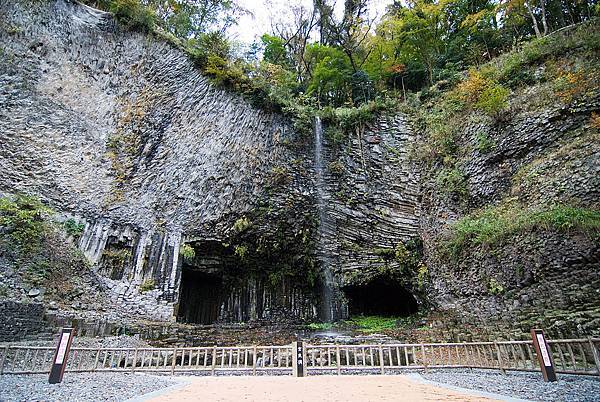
[380, 297]
[241, 281]
[200, 297]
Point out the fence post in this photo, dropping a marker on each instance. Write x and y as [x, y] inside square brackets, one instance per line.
[381, 363]
[338, 360]
[424, 358]
[174, 362]
[544, 355]
[134, 360]
[499, 358]
[594, 352]
[254, 360]
[214, 361]
[3, 359]
[298, 359]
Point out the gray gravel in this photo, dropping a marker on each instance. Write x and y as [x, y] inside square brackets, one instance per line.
[521, 385]
[122, 386]
[121, 341]
[81, 387]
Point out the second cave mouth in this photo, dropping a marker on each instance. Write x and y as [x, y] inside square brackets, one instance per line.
[381, 298]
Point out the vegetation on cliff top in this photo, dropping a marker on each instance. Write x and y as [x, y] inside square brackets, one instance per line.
[313, 59]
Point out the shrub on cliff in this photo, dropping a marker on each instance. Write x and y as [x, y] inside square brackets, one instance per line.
[497, 223]
[482, 93]
[452, 181]
[37, 246]
[133, 14]
[22, 222]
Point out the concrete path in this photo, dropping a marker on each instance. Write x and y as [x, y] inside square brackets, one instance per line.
[317, 388]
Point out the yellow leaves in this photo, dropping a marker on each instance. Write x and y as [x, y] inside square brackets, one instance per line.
[472, 20]
[574, 82]
[470, 89]
[595, 120]
[482, 93]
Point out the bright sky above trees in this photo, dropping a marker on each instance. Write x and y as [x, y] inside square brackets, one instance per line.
[251, 27]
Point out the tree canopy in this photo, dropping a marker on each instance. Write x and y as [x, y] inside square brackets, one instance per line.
[349, 60]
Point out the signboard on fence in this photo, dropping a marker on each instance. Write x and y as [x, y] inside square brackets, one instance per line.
[544, 355]
[61, 356]
[299, 363]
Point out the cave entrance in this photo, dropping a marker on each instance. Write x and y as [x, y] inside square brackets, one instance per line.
[200, 297]
[380, 297]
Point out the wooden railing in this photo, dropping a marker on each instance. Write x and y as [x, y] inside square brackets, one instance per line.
[30, 360]
[571, 356]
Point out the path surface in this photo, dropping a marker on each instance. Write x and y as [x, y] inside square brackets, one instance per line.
[318, 388]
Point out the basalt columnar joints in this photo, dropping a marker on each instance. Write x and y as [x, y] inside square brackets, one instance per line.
[200, 208]
[121, 131]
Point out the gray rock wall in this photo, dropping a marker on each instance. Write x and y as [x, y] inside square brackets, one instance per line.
[374, 199]
[371, 205]
[20, 319]
[119, 129]
[538, 277]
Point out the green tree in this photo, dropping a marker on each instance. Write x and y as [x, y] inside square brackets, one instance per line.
[132, 14]
[330, 75]
[274, 50]
[205, 45]
[186, 19]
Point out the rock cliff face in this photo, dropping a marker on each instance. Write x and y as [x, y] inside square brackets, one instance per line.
[119, 130]
[199, 207]
[371, 212]
[538, 157]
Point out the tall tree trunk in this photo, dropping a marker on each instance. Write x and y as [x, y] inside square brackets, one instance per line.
[544, 22]
[536, 28]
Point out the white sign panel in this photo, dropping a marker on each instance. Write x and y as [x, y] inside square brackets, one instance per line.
[62, 348]
[543, 350]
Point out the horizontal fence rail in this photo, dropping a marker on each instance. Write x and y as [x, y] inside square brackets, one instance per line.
[31, 360]
[571, 356]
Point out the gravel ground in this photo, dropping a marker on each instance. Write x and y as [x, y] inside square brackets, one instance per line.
[122, 386]
[521, 385]
[81, 387]
[122, 341]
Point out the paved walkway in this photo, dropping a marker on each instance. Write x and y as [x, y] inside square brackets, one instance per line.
[308, 389]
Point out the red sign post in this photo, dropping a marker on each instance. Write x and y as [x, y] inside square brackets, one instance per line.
[61, 356]
[542, 350]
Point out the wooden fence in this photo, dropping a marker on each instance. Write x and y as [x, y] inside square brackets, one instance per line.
[571, 356]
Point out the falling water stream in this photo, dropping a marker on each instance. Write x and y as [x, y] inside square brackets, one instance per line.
[322, 253]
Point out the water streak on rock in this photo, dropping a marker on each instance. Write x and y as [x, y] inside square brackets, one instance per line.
[327, 310]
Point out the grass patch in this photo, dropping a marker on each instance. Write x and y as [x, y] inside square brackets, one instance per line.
[374, 323]
[187, 252]
[495, 224]
[147, 286]
[320, 326]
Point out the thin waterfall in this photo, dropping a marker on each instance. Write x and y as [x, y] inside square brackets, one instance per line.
[322, 253]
